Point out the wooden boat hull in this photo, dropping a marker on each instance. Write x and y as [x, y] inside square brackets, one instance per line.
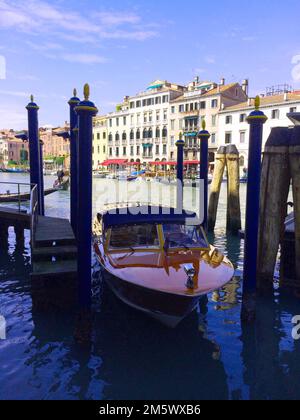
[150, 302]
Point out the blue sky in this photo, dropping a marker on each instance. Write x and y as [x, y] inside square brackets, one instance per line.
[120, 46]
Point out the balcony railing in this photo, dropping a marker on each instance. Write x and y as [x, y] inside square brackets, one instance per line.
[165, 140]
[148, 156]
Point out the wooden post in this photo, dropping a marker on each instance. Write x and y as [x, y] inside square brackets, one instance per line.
[234, 223]
[294, 159]
[216, 187]
[275, 185]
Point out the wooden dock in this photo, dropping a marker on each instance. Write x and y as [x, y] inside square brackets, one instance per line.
[53, 254]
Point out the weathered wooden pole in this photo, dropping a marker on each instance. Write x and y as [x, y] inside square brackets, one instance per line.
[275, 185]
[86, 110]
[180, 148]
[234, 223]
[204, 136]
[294, 159]
[215, 187]
[73, 102]
[34, 148]
[256, 120]
[42, 179]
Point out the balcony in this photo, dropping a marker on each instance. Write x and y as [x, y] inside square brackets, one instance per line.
[157, 141]
[164, 140]
[124, 142]
[148, 156]
[190, 114]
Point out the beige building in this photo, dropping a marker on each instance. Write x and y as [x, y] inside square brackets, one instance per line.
[100, 139]
[3, 151]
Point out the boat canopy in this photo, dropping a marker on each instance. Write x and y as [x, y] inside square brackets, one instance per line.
[149, 215]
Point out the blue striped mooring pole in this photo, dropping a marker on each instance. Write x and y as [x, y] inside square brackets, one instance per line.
[34, 148]
[85, 110]
[73, 102]
[256, 120]
[180, 149]
[204, 136]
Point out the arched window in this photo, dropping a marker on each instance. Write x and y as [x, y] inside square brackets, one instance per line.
[131, 135]
[124, 136]
[165, 132]
[242, 161]
[138, 134]
[145, 133]
[117, 137]
[150, 133]
[157, 134]
[110, 137]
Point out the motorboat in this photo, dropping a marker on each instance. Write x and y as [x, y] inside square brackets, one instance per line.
[158, 260]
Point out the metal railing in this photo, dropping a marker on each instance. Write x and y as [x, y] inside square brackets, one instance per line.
[17, 195]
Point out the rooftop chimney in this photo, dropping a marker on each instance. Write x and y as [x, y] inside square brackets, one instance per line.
[222, 82]
[245, 86]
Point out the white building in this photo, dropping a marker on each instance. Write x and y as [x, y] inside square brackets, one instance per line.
[138, 131]
[3, 151]
[233, 127]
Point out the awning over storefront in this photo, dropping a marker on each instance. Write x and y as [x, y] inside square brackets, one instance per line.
[114, 162]
[192, 162]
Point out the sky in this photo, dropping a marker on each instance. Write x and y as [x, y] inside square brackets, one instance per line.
[120, 46]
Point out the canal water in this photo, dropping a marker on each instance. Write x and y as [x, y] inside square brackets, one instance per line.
[209, 356]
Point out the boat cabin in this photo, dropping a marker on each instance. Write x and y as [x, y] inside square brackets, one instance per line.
[152, 229]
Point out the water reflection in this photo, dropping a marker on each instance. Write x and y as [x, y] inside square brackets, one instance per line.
[210, 355]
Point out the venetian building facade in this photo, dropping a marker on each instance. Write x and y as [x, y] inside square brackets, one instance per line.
[202, 101]
[100, 139]
[138, 131]
[234, 129]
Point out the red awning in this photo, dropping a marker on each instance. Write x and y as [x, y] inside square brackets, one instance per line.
[114, 162]
[132, 163]
[192, 162]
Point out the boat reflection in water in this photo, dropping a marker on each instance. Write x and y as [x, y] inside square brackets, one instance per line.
[159, 261]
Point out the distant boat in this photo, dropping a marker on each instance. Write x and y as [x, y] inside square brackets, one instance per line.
[63, 185]
[16, 198]
[15, 171]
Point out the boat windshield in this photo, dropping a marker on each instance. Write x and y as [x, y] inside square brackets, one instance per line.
[184, 236]
[136, 236]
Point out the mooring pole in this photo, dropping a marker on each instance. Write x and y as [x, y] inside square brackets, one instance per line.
[73, 102]
[34, 148]
[204, 136]
[256, 120]
[180, 147]
[85, 110]
[42, 198]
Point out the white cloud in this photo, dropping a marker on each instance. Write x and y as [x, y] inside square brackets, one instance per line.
[15, 93]
[39, 17]
[13, 119]
[44, 46]
[249, 38]
[83, 58]
[210, 60]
